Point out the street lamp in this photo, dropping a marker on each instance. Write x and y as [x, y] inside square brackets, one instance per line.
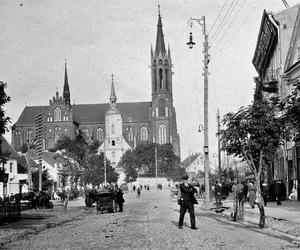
[201, 22]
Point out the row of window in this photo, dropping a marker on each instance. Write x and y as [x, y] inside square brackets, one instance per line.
[162, 135]
[57, 117]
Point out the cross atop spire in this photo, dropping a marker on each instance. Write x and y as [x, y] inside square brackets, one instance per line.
[158, 9]
[160, 42]
[113, 97]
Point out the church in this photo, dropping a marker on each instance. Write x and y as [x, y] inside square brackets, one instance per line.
[117, 126]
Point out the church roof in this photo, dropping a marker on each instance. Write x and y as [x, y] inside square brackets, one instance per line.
[92, 113]
[28, 115]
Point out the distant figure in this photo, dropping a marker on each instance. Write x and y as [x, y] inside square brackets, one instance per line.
[148, 188]
[145, 187]
[278, 192]
[119, 198]
[138, 192]
[294, 194]
[133, 188]
[252, 194]
[218, 194]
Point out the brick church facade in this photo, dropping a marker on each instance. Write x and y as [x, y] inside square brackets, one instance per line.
[138, 122]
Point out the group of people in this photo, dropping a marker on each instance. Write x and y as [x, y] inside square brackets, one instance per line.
[139, 188]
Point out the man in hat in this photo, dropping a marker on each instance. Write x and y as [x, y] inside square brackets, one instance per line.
[187, 201]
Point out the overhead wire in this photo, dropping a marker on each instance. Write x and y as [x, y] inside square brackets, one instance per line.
[225, 23]
[212, 27]
[232, 20]
[222, 21]
[237, 31]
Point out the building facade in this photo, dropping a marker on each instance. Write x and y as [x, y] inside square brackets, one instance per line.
[117, 126]
[276, 60]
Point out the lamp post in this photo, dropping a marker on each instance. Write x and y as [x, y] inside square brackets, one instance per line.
[201, 22]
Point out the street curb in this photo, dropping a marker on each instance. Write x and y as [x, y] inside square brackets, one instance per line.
[255, 221]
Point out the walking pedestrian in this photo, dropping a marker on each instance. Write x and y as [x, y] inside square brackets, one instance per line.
[278, 192]
[133, 188]
[186, 202]
[138, 192]
[218, 194]
[119, 198]
[252, 194]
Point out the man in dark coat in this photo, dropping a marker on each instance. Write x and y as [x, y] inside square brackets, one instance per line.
[187, 201]
[119, 198]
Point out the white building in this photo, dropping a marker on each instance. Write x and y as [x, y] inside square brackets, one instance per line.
[15, 168]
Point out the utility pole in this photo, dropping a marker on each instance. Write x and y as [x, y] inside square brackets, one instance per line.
[190, 165]
[219, 148]
[201, 21]
[155, 152]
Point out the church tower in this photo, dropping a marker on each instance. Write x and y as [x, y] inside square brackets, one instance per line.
[163, 120]
[114, 145]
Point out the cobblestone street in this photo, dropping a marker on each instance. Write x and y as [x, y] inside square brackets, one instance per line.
[150, 222]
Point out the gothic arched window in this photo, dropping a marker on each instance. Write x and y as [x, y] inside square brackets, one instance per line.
[155, 80]
[57, 115]
[166, 77]
[57, 134]
[99, 134]
[156, 111]
[161, 107]
[50, 143]
[29, 136]
[86, 132]
[162, 134]
[144, 134]
[167, 111]
[129, 133]
[161, 80]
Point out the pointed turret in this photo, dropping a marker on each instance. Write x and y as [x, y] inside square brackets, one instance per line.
[113, 97]
[66, 93]
[160, 42]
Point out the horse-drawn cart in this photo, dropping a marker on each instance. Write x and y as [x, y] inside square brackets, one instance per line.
[105, 201]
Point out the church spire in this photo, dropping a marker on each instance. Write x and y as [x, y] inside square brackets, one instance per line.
[66, 93]
[160, 42]
[113, 97]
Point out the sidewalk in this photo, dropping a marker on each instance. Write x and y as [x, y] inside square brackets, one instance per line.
[284, 218]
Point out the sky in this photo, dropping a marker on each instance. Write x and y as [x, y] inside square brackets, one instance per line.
[99, 38]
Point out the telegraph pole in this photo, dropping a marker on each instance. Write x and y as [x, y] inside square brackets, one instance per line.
[155, 152]
[219, 148]
[201, 21]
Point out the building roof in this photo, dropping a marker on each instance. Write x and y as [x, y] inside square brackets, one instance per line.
[28, 115]
[7, 148]
[92, 113]
[189, 160]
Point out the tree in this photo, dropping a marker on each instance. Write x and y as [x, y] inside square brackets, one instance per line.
[290, 108]
[94, 171]
[4, 120]
[47, 183]
[142, 159]
[73, 154]
[254, 133]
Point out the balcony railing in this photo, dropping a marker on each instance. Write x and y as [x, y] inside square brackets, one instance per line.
[270, 81]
